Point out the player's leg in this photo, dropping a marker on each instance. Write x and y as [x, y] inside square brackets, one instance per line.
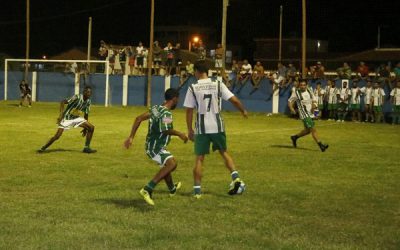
[197, 175]
[89, 128]
[314, 134]
[52, 139]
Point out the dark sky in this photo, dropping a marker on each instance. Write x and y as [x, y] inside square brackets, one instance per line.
[58, 25]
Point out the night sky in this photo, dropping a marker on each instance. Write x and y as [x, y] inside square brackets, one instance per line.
[59, 25]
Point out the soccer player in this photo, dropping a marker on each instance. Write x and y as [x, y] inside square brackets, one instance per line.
[395, 100]
[331, 92]
[306, 104]
[367, 92]
[319, 94]
[70, 117]
[343, 97]
[159, 134]
[355, 102]
[25, 93]
[378, 98]
[205, 96]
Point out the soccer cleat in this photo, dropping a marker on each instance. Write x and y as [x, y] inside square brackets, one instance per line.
[177, 187]
[89, 150]
[234, 186]
[324, 147]
[294, 140]
[146, 196]
[197, 196]
[41, 150]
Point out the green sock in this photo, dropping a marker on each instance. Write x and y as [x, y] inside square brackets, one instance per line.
[150, 186]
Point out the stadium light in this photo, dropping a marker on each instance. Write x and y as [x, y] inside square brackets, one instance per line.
[195, 39]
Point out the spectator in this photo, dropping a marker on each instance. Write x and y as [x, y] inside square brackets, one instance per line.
[117, 63]
[201, 50]
[319, 94]
[178, 59]
[367, 92]
[131, 58]
[344, 72]
[103, 50]
[26, 92]
[395, 100]
[383, 73]
[318, 73]
[291, 74]
[234, 77]
[257, 76]
[343, 96]
[378, 98]
[140, 58]
[145, 53]
[169, 50]
[279, 78]
[355, 102]
[332, 99]
[396, 71]
[245, 74]
[187, 73]
[111, 59]
[362, 71]
[219, 52]
[157, 52]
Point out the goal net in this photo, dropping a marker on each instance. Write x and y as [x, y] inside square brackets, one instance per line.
[54, 80]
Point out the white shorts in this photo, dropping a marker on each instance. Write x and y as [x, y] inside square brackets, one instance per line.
[74, 123]
[162, 157]
[218, 63]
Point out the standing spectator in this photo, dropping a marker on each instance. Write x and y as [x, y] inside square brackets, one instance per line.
[291, 74]
[395, 100]
[318, 73]
[332, 99]
[245, 74]
[157, 52]
[117, 63]
[169, 50]
[396, 72]
[343, 96]
[344, 72]
[178, 59]
[319, 94]
[140, 58]
[131, 59]
[26, 92]
[188, 72]
[219, 52]
[201, 50]
[383, 73]
[362, 71]
[355, 102]
[378, 98]
[367, 92]
[234, 75]
[257, 76]
[111, 59]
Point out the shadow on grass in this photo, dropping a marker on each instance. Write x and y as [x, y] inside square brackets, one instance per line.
[138, 204]
[13, 104]
[291, 147]
[57, 150]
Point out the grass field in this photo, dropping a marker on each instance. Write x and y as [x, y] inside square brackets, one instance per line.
[345, 198]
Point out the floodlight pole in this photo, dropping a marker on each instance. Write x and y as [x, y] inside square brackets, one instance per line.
[304, 36]
[89, 47]
[280, 33]
[27, 39]
[223, 36]
[150, 56]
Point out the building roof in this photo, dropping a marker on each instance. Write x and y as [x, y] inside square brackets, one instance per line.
[373, 55]
[75, 53]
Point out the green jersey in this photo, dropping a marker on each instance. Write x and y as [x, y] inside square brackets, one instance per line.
[76, 106]
[160, 121]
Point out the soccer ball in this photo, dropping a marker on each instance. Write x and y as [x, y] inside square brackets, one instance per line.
[240, 186]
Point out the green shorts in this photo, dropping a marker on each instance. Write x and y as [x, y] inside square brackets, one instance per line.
[355, 106]
[332, 106]
[308, 122]
[378, 109]
[202, 143]
[396, 108]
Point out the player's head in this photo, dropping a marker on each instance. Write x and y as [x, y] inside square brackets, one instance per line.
[200, 69]
[87, 92]
[355, 83]
[376, 85]
[172, 96]
[369, 83]
[318, 85]
[344, 84]
[303, 85]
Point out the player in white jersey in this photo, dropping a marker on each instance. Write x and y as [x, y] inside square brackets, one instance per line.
[331, 96]
[206, 96]
[395, 100]
[343, 97]
[306, 103]
[355, 101]
[319, 94]
[378, 98]
[367, 92]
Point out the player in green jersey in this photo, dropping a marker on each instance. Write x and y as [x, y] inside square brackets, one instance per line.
[71, 117]
[159, 133]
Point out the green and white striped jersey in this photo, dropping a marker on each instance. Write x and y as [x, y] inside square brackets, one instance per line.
[160, 121]
[355, 96]
[304, 101]
[76, 107]
[205, 97]
[332, 95]
[319, 95]
[395, 93]
[378, 96]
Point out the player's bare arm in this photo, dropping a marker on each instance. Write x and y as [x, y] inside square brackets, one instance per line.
[62, 104]
[291, 107]
[238, 104]
[189, 123]
[174, 132]
[135, 126]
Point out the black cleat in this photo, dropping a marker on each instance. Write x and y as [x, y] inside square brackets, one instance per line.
[40, 151]
[294, 140]
[89, 151]
[235, 188]
[324, 147]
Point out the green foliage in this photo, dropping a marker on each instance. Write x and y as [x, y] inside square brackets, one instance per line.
[345, 198]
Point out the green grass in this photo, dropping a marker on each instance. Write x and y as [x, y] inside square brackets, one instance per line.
[345, 198]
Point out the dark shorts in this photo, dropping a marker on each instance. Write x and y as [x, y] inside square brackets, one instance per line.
[202, 143]
[139, 61]
[169, 62]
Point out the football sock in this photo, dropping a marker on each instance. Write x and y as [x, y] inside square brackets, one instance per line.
[171, 187]
[234, 175]
[320, 144]
[150, 186]
[197, 189]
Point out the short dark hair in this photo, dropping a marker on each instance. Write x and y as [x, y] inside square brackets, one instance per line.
[171, 93]
[87, 87]
[201, 66]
